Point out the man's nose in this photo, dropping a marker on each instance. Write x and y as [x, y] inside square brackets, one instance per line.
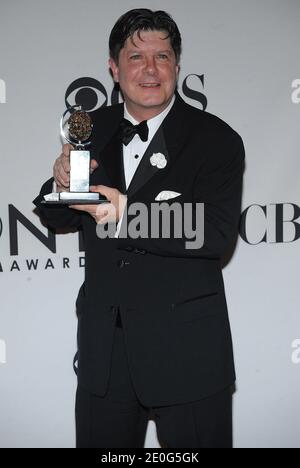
[151, 65]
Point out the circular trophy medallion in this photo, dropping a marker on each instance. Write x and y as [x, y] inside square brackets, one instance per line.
[80, 126]
[77, 128]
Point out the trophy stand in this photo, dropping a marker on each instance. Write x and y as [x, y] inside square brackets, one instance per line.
[77, 130]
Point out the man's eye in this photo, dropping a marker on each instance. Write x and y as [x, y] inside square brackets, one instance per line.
[135, 57]
[163, 56]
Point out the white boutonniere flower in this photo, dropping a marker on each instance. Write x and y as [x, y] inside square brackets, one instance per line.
[159, 160]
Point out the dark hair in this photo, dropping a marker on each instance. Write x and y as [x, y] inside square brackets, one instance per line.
[143, 19]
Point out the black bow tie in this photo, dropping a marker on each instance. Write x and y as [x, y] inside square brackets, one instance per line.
[128, 130]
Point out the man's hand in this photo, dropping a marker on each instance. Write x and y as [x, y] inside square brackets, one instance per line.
[61, 169]
[107, 212]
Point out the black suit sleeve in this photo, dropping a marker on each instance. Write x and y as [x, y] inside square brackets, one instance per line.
[57, 217]
[218, 184]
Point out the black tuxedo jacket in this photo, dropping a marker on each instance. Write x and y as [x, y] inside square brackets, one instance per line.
[171, 300]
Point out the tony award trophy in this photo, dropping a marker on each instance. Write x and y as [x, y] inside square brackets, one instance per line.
[77, 130]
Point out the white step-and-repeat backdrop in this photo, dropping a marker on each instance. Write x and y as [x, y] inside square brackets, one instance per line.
[240, 61]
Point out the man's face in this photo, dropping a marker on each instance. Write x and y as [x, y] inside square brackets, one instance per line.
[147, 72]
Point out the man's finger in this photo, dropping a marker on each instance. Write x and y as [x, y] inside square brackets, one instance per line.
[67, 148]
[61, 183]
[94, 165]
[63, 176]
[106, 191]
[102, 210]
[87, 208]
[65, 162]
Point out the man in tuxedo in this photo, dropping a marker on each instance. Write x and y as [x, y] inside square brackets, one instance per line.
[153, 329]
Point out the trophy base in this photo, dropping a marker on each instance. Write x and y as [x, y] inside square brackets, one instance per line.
[74, 198]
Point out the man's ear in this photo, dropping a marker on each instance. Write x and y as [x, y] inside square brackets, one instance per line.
[115, 69]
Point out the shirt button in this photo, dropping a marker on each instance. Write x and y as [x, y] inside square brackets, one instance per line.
[136, 156]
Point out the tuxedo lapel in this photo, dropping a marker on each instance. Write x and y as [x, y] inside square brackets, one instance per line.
[145, 170]
[176, 128]
[168, 140]
[111, 158]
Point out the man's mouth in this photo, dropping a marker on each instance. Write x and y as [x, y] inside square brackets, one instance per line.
[150, 85]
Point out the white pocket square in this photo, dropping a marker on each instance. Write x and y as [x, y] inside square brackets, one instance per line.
[167, 195]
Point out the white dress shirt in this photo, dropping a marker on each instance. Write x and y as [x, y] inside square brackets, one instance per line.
[134, 151]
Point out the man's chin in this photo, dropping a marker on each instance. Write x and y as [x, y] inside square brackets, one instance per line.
[148, 104]
[153, 102]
